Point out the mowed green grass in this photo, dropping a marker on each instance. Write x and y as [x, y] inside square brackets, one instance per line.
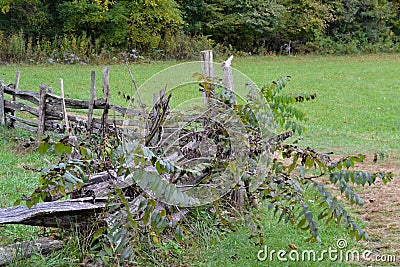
[358, 98]
[357, 110]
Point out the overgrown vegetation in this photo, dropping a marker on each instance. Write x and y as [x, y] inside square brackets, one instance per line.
[345, 128]
[96, 31]
[276, 171]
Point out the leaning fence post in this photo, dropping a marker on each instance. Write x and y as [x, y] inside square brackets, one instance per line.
[92, 99]
[207, 69]
[42, 109]
[2, 113]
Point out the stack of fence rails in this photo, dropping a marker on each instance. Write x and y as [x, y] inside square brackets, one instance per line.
[47, 109]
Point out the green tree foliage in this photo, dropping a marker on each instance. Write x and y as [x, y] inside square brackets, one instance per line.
[249, 25]
[246, 25]
[306, 19]
[34, 17]
[138, 23]
[333, 26]
[364, 20]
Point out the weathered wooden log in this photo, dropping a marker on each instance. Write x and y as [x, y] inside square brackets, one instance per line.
[33, 97]
[30, 96]
[27, 122]
[25, 127]
[125, 111]
[18, 106]
[118, 122]
[21, 250]
[54, 214]
[104, 183]
[75, 103]
[85, 104]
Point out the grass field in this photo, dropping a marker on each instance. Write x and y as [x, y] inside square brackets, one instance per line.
[357, 110]
[357, 101]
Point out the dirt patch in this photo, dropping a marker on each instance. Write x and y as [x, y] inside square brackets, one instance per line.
[381, 211]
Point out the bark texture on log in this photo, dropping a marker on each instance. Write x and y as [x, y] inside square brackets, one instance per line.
[21, 250]
[54, 214]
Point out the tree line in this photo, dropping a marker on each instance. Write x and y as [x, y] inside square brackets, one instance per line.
[176, 28]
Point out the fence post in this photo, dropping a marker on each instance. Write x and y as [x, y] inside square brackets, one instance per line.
[42, 109]
[16, 87]
[64, 109]
[92, 99]
[207, 69]
[228, 77]
[238, 195]
[2, 114]
[106, 91]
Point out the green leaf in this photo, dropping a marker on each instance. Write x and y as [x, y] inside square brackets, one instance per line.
[128, 252]
[68, 149]
[301, 223]
[43, 147]
[97, 234]
[349, 163]
[59, 148]
[29, 204]
[84, 151]
[179, 233]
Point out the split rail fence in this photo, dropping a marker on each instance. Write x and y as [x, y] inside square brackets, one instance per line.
[50, 110]
[50, 113]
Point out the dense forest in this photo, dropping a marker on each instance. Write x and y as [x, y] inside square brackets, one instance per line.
[89, 30]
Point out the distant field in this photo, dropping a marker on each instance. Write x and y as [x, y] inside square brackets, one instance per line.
[357, 110]
[358, 97]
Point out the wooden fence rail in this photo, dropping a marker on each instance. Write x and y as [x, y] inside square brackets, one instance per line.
[50, 109]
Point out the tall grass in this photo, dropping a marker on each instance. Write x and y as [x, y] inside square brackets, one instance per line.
[73, 49]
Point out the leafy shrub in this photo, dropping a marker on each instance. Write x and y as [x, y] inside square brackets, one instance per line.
[279, 181]
[182, 46]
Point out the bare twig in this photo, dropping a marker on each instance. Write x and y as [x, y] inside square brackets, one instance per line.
[159, 120]
[136, 88]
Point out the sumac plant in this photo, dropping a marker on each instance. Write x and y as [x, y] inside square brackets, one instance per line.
[179, 162]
